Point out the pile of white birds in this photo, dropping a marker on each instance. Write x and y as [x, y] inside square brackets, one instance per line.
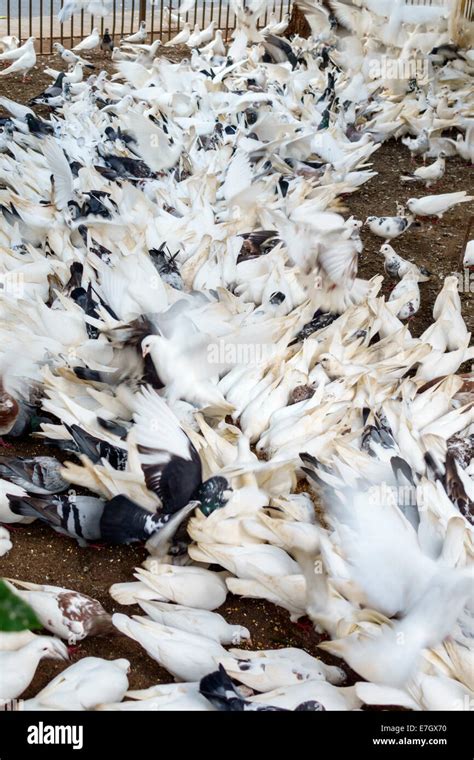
[181, 315]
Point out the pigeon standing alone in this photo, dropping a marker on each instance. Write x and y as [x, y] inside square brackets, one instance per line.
[90, 42]
[107, 43]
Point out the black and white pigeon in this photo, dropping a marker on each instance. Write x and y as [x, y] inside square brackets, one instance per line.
[96, 448]
[39, 475]
[219, 689]
[53, 91]
[70, 57]
[38, 127]
[170, 462]
[388, 227]
[107, 42]
[167, 267]
[124, 522]
[69, 514]
[443, 53]
[397, 267]
[320, 320]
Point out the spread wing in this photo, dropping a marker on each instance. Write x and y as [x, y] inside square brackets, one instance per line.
[170, 462]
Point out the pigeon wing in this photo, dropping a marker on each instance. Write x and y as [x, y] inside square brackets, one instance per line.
[170, 462]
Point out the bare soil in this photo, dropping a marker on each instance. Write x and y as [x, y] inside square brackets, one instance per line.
[41, 556]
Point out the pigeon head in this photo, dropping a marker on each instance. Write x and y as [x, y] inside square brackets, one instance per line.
[50, 647]
[213, 494]
[148, 343]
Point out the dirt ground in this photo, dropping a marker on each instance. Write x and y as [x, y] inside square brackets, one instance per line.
[41, 556]
[436, 245]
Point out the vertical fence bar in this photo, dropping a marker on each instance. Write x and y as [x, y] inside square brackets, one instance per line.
[61, 28]
[19, 19]
[114, 18]
[122, 25]
[50, 25]
[161, 20]
[8, 16]
[203, 17]
[211, 17]
[41, 24]
[82, 23]
[92, 23]
[72, 31]
[132, 15]
[152, 20]
[170, 9]
[227, 20]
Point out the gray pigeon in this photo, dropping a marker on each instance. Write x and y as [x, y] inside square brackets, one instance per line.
[71, 515]
[39, 475]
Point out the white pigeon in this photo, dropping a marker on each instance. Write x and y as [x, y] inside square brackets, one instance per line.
[90, 42]
[187, 586]
[12, 54]
[84, 685]
[392, 654]
[437, 205]
[187, 656]
[182, 37]
[138, 37]
[429, 174]
[215, 47]
[194, 620]
[331, 697]
[9, 42]
[22, 64]
[271, 669]
[69, 57]
[165, 697]
[468, 254]
[406, 294]
[94, 7]
[19, 666]
[13, 640]
[194, 37]
[5, 543]
[418, 145]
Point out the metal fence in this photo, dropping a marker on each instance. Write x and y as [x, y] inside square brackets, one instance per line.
[39, 18]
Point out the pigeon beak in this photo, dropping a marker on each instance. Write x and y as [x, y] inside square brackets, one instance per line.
[145, 351]
[61, 653]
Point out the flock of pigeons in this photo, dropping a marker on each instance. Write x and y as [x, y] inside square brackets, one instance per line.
[181, 316]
